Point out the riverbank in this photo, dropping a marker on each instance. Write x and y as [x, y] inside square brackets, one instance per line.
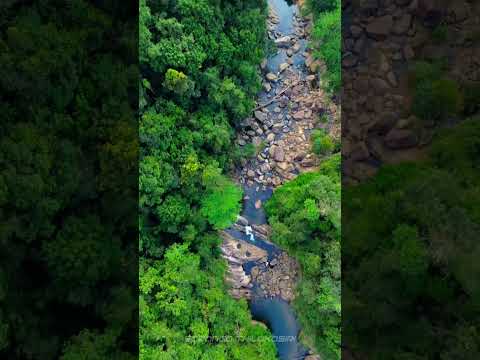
[291, 105]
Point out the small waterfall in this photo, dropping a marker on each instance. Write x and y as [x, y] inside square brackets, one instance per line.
[249, 232]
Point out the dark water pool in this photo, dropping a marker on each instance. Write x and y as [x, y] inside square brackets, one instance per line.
[279, 317]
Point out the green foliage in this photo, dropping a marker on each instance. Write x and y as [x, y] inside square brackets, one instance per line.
[440, 34]
[199, 61]
[322, 144]
[305, 218]
[326, 40]
[471, 98]
[410, 237]
[221, 203]
[68, 180]
[435, 97]
[319, 6]
[177, 82]
[185, 312]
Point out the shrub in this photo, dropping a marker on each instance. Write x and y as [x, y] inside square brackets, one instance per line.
[471, 98]
[435, 97]
[440, 34]
[327, 35]
[322, 144]
[319, 6]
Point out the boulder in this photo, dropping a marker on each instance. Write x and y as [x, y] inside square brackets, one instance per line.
[299, 115]
[283, 67]
[271, 77]
[401, 138]
[278, 154]
[402, 25]
[242, 220]
[284, 41]
[260, 116]
[380, 27]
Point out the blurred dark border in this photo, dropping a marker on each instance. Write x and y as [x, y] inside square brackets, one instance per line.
[69, 179]
[410, 196]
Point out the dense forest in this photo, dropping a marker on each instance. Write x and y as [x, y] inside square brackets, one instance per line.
[68, 180]
[411, 240]
[305, 218]
[199, 64]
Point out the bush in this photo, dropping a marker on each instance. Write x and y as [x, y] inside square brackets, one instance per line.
[327, 44]
[322, 144]
[305, 218]
[411, 234]
[435, 97]
[440, 34]
[319, 6]
[471, 98]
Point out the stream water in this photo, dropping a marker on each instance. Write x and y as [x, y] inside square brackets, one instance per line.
[276, 313]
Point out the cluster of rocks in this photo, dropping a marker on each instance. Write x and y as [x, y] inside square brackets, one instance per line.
[273, 278]
[238, 252]
[277, 277]
[380, 39]
[291, 105]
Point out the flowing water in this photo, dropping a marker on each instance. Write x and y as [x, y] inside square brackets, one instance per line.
[276, 313]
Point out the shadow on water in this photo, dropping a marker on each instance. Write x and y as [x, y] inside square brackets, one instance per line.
[279, 317]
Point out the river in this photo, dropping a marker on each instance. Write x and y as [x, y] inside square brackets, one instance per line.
[275, 312]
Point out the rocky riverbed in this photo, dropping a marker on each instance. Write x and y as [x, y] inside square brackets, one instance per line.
[291, 105]
[268, 272]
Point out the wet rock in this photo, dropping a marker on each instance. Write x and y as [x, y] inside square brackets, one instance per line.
[258, 204]
[260, 116]
[271, 77]
[283, 67]
[296, 48]
[229, 248]
[242, 220]
[267, 87]
[284, 41]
